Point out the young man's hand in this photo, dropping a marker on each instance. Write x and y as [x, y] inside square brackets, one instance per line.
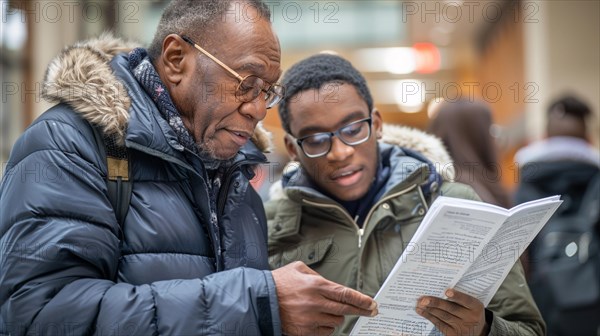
[312, 305]
[459, 314]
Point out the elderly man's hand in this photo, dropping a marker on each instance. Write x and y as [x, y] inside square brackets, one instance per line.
[460, 314]
[312, 305]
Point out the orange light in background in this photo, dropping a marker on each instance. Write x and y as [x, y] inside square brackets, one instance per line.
[428, 58]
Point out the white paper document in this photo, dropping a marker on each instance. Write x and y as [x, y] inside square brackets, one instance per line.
[467, 245]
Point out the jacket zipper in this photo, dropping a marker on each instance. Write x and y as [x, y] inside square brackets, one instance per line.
[361, 231]
[221, 201]
[386, 198]
[225, 187]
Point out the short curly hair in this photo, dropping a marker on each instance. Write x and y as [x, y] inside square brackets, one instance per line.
[196, 16]
[313, 73]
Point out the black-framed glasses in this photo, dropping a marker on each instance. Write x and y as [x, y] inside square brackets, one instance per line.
[250, 86]
[352, 134]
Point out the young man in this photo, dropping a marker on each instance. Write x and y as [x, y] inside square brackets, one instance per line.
[189, 257]
[353, 203]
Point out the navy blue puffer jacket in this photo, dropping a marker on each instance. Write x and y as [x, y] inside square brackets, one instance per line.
[65, 266]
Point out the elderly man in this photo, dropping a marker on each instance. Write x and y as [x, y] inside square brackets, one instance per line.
[188, 255]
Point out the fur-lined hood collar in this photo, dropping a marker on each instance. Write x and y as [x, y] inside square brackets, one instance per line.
[427, 144]
[81, 77]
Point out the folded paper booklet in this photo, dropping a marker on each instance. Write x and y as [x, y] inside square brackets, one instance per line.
[467, 245]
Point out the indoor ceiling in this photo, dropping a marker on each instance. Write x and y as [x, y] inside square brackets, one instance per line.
[385, 30]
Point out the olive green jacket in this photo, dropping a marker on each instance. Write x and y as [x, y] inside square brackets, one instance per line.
[307, 226]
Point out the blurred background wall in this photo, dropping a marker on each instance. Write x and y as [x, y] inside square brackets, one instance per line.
[515, 55]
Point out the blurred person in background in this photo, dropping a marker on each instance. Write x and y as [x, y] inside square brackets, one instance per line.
[464, 127]
[566, 137]
[190, 255]
[358, 193]
[564, 259]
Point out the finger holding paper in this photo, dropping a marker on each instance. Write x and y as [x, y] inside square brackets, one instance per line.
[459, 314]
[312, 305]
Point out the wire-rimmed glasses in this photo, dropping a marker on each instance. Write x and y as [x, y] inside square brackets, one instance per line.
[250, 86]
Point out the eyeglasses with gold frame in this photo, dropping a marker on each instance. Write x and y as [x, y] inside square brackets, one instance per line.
[250, 86]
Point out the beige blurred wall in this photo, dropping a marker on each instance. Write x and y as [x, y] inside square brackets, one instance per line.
[562, 54]
[57, 24]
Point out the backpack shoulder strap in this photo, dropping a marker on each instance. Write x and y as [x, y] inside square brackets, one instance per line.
[118, 181]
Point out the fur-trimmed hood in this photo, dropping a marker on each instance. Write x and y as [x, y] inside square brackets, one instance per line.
[81, 77]
[427, 144]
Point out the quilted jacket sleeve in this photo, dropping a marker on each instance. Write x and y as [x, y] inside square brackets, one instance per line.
[59, 254]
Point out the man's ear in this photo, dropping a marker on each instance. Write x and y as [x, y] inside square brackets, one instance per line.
[290, 146]
[377, 122]
[173, 60]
